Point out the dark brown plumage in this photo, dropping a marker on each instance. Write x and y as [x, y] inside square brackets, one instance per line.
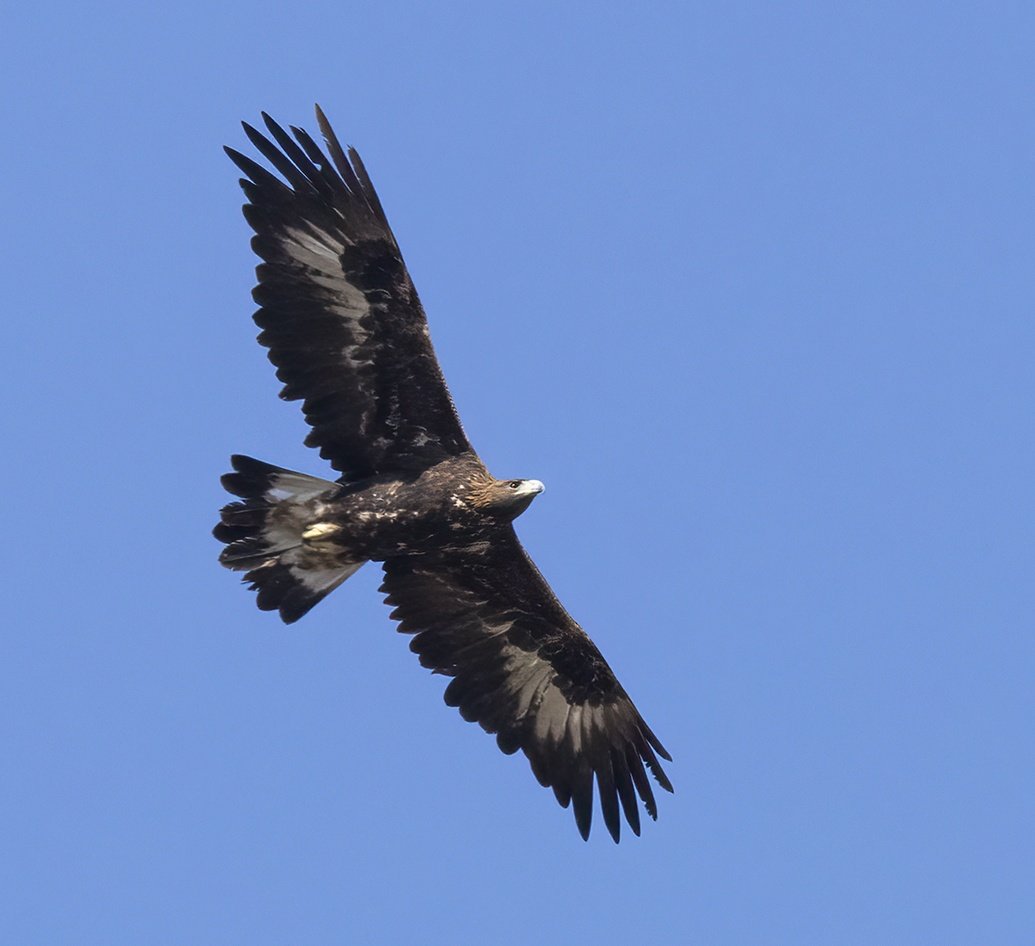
[343, 324]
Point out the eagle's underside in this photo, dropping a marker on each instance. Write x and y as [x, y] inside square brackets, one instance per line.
[343, 324]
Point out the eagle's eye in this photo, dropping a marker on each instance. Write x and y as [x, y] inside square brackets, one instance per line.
[514, 484]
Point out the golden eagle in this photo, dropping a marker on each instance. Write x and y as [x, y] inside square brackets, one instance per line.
[347, 333]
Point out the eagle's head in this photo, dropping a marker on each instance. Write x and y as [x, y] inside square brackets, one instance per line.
[506, 499]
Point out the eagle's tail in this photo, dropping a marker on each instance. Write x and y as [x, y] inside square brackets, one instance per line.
[265, 536]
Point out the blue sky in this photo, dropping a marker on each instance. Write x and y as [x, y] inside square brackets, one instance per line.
[748, 285]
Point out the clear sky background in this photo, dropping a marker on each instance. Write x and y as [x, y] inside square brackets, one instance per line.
[748, 285]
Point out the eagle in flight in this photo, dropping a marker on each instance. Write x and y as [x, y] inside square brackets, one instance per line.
[344, 327]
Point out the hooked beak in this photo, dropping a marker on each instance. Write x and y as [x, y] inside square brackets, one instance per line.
[533, 487]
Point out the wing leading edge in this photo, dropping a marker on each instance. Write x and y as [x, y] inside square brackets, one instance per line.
[342, 323]
[524, 670]
[338, 310]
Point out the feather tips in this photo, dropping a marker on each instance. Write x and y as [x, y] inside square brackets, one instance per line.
[340, 316]
[524, 670]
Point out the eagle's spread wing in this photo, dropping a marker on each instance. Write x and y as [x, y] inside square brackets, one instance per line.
[524, 670]
[339, 313]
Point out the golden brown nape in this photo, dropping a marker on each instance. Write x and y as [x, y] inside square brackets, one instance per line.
[504, 499]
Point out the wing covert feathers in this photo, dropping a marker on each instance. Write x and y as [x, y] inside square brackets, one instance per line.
[524, 670]
[338, 311]
[342, 323]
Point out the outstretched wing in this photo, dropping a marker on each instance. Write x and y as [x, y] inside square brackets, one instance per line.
[339, 313]
[524, 670]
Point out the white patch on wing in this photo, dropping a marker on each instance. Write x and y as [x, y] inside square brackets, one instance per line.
[317, 241]
[574, 721]
[320, 252]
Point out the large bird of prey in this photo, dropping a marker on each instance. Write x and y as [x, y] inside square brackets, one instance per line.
[349, 338]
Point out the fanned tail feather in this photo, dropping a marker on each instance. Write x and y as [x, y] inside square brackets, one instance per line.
[263, 535]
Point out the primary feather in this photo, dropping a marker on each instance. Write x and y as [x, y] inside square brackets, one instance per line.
[343, 324]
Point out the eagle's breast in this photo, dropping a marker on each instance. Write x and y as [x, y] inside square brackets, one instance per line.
[433, 511]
